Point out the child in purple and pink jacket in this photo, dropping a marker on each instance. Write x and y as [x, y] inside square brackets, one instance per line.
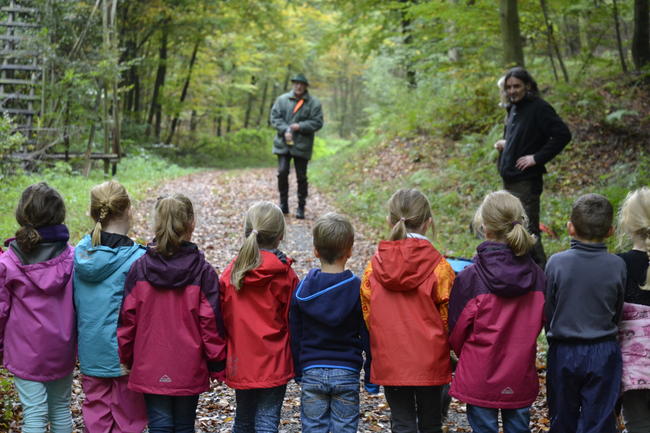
[37, 322]
[495, 315]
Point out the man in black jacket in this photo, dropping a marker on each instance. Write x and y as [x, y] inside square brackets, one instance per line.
[534, 134]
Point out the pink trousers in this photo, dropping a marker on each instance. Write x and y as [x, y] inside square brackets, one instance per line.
[110, 407]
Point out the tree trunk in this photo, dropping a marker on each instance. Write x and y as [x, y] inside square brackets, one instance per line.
[551, 38]
[513, 52]
[186, 85]
[249, 105]
[260, 115]
[407, 40]
[641, 37]
[619, 42]
[155, 109]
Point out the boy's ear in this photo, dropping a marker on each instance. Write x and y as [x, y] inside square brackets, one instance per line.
[571, 229]
[316, 253]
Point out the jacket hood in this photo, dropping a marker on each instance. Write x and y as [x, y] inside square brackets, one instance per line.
[274, 262]
[51, 276]
[504, 273]
[328, 298]
[95, 264]
[175, 272]
[405, 264]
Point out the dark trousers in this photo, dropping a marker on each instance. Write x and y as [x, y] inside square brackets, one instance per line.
[300, 165]
[529, 191]
[636, 407]
[583, 383]
[171, 414]
[415, 409]
[258, 410]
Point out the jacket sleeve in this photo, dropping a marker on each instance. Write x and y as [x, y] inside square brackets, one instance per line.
[295, 334]
[5, 308]
[550, 297]
[315, 121]
[444, 281]
[365, 292]
[277, 117]
[463, 327]
[557, 131]
[211, 323]
[128, 320]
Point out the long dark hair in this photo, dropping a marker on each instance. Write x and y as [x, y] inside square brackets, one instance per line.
[40, 205]
[524, 75]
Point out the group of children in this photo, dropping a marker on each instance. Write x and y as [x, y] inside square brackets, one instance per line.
[151, 326]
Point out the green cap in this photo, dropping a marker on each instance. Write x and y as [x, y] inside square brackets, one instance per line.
[300, 78]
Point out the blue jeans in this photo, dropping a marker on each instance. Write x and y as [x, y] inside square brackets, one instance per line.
[486, 419]
[45, 400]
[329, 401]
[170, 413]
[258, 410]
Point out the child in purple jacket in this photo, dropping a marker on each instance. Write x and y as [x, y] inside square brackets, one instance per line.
[495, 315]
[37, 322]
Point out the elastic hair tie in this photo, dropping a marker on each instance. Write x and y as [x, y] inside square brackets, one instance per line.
[402, 219]
[254, 232]
[514, 223]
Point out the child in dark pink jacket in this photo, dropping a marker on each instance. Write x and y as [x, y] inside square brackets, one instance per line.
[495, 315]
[170, 333]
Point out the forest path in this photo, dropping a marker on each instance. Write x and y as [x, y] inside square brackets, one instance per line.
[220, 200]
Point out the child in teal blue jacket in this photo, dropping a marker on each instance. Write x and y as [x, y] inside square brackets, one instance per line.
[102, 261]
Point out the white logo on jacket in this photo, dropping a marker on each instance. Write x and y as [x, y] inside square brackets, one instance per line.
[165, 379]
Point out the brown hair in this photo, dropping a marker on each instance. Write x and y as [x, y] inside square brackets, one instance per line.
[408, 209]
[503, 215]
[174, 217]
[263, 226]
[107, 200]
[592, 216]
[40, 205]
[634, 220]
[333, 236]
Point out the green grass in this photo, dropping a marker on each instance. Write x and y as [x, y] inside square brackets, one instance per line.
[457, 188]
[136, 173]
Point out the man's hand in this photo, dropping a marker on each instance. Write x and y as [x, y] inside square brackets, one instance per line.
[525, 162]
[499, 145]
[294, 127]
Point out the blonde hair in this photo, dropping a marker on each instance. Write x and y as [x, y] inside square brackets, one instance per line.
[333, 236]
[174, 218]
[263, 226]
[503, 215]
[107, 200]
[634, 220]
[39, 205]
[408, 209]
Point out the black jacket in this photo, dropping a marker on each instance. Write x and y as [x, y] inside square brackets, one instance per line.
[533, 128]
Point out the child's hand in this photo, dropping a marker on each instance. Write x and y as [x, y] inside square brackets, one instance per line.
[125, 370]
[371, 388]
[219, 376]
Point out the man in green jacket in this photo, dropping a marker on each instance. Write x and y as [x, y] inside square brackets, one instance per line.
[296, 116]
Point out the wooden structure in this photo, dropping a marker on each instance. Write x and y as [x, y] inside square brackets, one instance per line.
[22, 92]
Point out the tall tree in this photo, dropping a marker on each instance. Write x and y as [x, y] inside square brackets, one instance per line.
[513, 51]
[641, 38]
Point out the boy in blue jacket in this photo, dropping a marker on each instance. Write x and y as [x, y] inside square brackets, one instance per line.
[328, 333]
[584, 299]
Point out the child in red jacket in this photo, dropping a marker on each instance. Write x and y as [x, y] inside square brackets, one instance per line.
[495, 315]
[170, 331]
[255, 299]
[404, 294]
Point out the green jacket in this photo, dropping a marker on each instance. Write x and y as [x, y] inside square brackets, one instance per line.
[309, 117]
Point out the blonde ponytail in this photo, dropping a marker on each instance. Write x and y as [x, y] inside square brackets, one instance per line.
[174, 218]
[408, 210]
[503, 215]
[107, 200]
[263, 227]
